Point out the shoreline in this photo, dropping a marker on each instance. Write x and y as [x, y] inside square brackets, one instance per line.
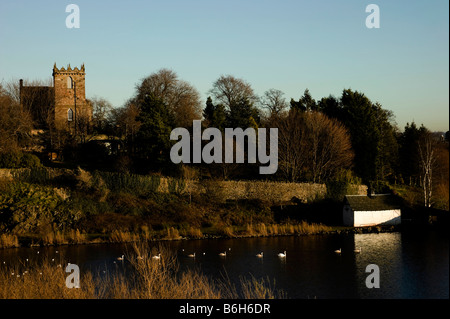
[29, 241]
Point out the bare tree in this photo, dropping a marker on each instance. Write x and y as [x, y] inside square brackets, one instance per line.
[328, 145]
[101, 115]
[426, 147]
[291, 143]
[83, 125]
[229, 90]
[441, 179]
[126, 123]
[273, 100]
[15, 124]
[312, 146]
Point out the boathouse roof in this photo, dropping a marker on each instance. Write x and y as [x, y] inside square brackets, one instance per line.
[373, 202]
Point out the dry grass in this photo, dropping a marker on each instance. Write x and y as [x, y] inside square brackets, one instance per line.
[307, 229]
[227, 231]
[161, 279]
[192, 232]
[260, 289]
[45, 280]
[302, 228]
[59, 238]
[9, 241]
[151, 279]
[118, 236]
[172, 234]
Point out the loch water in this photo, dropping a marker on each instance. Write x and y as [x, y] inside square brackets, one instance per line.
[411, 265]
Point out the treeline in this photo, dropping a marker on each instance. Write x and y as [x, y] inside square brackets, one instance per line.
[346, 137]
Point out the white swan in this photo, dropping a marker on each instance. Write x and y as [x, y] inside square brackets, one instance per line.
[338, 251]
[260, 255]
[358, 250]
[223, 254]
[191, 255]
[157, 256]
[121, 258]
[282, 255]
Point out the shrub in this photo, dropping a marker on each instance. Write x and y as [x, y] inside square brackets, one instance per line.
[92, 184]
[30, 160]
[176, 185]
[339, 185]
[131, 183]
[19, 160]
[25, 207]
[380, 187]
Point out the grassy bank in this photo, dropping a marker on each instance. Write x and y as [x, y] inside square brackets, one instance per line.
[150, 279]
[42, 207]
[46, 207]
[74, 237]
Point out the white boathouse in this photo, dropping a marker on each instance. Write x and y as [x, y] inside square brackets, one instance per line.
[364, 210]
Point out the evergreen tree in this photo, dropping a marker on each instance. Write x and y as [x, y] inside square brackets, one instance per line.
[372, 135]
[215, 115]
[153, 138]
[208, 111]
[409, 153]
[305, 103]
[330, 106]
[243, 114]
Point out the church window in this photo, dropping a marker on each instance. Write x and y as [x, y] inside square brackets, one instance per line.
[70, 115]
[69, 83]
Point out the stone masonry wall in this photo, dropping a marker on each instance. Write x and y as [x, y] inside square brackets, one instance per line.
[274, 192]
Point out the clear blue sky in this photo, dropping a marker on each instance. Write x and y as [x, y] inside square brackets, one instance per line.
[291, 45]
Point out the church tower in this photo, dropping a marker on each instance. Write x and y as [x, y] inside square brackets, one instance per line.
[70, 105]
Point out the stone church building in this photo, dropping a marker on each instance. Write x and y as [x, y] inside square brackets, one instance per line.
[64, 104]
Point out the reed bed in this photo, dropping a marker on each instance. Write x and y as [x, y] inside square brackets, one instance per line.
[44, 279]
[302, 228]
[73, 236]
[192, 232]
[118, 236]
[254, 288]
[9, 241]
[151, 278]
[172, 234]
